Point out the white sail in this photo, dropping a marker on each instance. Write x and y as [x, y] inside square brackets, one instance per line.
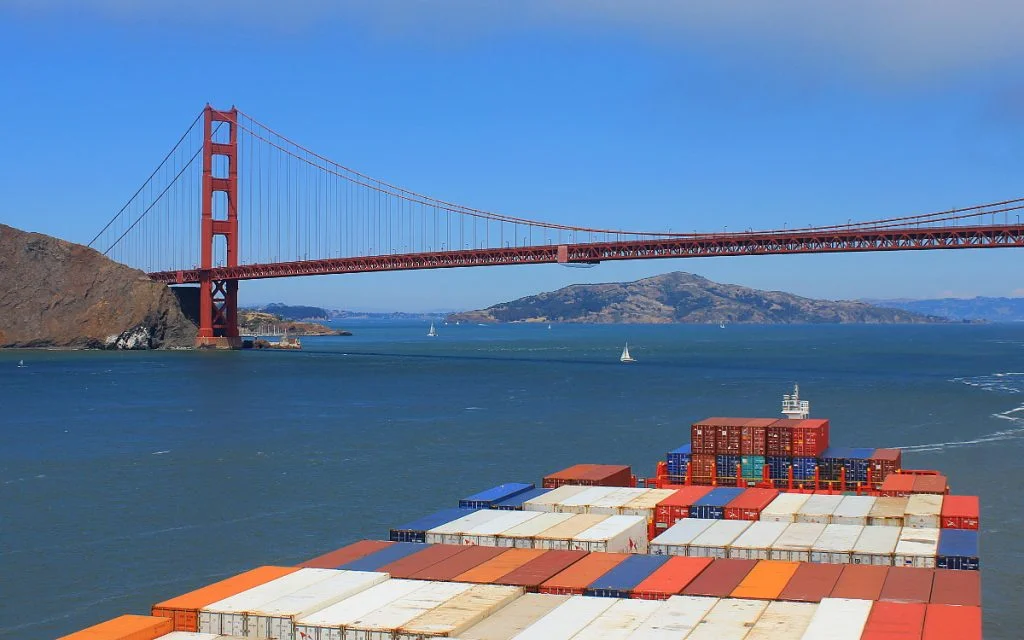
[433, 332]
[625, 357]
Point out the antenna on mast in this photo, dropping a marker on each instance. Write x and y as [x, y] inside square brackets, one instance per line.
[793, 407]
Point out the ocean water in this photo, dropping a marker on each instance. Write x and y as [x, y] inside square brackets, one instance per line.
[128, 478]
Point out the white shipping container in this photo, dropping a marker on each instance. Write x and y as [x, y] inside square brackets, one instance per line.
[645, 504]
[547, 501]
[835, 544]
[923, 511]
[190, 635]
[382, 623]
[560, 537]
[755, 543]
[276, 619]
[615, 534]
[567, 619]
[783, 621]
[613, 502]
[485, 533]
[521, 536]
[676, 618]
[228, 616]
[619, 621]
[580, 503]
[916, 548]
[796, 541]
[714, 543]
[875, 545]
[677, 538]
[451, 532]
[784, 507]
[887, 512]
[838, 619]
[853, 510]
[514, 617]
[818, 508]
[328, 624]
[460, 613]
[729, 619]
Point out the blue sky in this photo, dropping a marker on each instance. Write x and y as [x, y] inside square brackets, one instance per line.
[648, 114]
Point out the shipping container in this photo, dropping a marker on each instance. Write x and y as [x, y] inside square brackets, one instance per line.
[894, 620]
[422, 559]
[348, 553]
[779, 438]
[377, 559]
[749, 504]
[766, 580]
[729, 438]
[623, 577]
[615, 534]
[726, 465]
[703, 468]
[581, 502]
[678, 460]
[534, 573]
[670, 578]
[567, 619]
[783, 621]
[753, 436]
[856, 464]
[704, 434]
[796, 541]
[713, 504]
[961, 588]
[810, 438]
[838, 619]
[485, 533]
[720, 578]
[184, 609]
[619, 621]
[784, 508]
[547, 501]
[860, 582]
[574, 579]
[451, 532]
[960, 512]
[753, 467]
[835, 544]
[508, 621]
[778, 467]
[930, 484]
[916, 548]
[832, 460]
[812, 582]
[646, 504]
[522, 536]
[907, 584]
[876, 546]
[387, 620]
[328, 623]
[943, 621]
[677, 506]
[755, 543]
[923, 511]
[612, 503]
[804, 468]
[485, 499]
[676, 618]
[562, 536]
[888, 511]
[818, 508]
[676, 540]
[606, 475]
[459, 613]
[490, 571]
[515, 503]
[958, 549]
[716, 540]
[898, 485]
[192, 635]
[128, 627]
[729, 619]
[447, 569]
[883, 462]
[853, 510]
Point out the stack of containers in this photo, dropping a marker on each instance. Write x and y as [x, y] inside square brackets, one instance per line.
[486, 499]
[183, 611]
[620, 581]
[749, 504]
[875, 546]
[753, 440]
[884, 462]
[416, 531]
[960, 512]
[715, 541]
[605, 475]
[958, 549]
[678, 462]
[755, 543]
[916, 548]
[515, 503]
[712, 505]
[677, 506]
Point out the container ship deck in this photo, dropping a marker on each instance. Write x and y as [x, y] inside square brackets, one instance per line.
[756, 529]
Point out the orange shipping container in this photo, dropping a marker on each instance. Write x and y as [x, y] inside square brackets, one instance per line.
[897, 485]
[532, 574]
[951, 586]
[348, 553]
[575, 579]
[184, 610]
[945, 621]
[670, 578]
[766, 580]
[416, 562]
[894, 621]
[125, 628]
[490, 571]
[930, 484]
[960, 512]
[860, 582]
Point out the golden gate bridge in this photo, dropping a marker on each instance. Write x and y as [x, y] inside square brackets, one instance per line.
[235, 200]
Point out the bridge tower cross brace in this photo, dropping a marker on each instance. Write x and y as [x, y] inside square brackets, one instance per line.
[218, 299]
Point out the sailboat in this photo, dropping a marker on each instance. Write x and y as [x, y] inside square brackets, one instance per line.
[721, 325]
[549, 326]
[433, 332]
[21, 364]
[625, 357]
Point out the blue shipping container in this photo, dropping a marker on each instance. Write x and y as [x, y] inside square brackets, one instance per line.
[416, 531]
[515, 503]
[387, 555]
[712, 505]
[727, 466]
[958, 549]
[856, 464]
[485, 499]
[623, 577]
[679, 460]
[803, 468]
[778, 467]
[832, 460]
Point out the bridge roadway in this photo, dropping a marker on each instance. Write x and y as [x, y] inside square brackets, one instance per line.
[687, 246]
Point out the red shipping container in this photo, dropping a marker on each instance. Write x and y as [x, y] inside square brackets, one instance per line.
[908, 584]
[753, 436]
[670, 578]
[729, 437]
[702, 436]
[779, 438]
[812, 582]
[748, 505]
[944, 622]
[604, 475]
[898, 485]
[883, 462]
[810, 438]
[953, 586]
[860, 582]
[542, 568]
[702, 466]
[677, 506]
[894, 620]
[930, 484]
[720, 578]
[960, 512]
[346, 554]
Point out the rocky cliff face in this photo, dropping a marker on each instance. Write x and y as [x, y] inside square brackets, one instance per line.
[59, 294]
[681, 297]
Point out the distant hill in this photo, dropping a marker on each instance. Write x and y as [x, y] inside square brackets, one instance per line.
[987, 309]
[685, 298]
[295, 312]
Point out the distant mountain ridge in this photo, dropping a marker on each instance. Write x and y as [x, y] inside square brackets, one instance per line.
[681, 297]
[979, 308]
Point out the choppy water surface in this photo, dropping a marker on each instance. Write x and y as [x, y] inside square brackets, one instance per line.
[128, 478]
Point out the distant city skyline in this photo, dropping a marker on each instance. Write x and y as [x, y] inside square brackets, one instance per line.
[651, 114]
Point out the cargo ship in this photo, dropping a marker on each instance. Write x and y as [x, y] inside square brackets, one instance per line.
[756, 529]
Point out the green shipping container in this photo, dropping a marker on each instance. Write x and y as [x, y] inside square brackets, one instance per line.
[753, 467]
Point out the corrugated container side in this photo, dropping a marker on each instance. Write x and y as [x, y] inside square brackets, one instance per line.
[779, 438]
[702, 438]
[720, 578]
[513, 618]
[916, 548]
[676, 618]
[755, 543]
[958, 549]
[796, 541]
[618, 621]
[888, 511]
[625, 534]
[907, 584]
[614, 501]
[783, 621]
[610, 475]
[836, 543]
[515, 503]
[646, 504]
[374, 561]
[961, 512]
[703, 467]
[717, 539]
[810, 438]
[753, 436]
[956, 587]
[804, 468]
[574, 579]
[729, 438]
[581, 502]
[423, 559]
[446, 570]
[818, 508]
[451, 532]
[623, 577]
[713, 504]
[567, 619]
[547, 501]
[729, 619]
[228, 616]
[522, 536]
[676, 540]
[348, 553]
[860, 582]
[811, 582]
[923, 511]
[416, 531]
[492, 570]
[765, 581]
[856, 465]
[385, 621]
[677, 506]
[127, 627]
[853, 510]
[943, 621]
[191, 635]
[542, 568]
[749, 504]
[459, 613]
[561, 537]
[838, 619]
[753, 467]
[778, 467]
[832, 460]
[485, 499]
[876, 545]
[670, 578]
[784, 508]
[327, 623]
[891, 620]
[486, 533]
[883, 462]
